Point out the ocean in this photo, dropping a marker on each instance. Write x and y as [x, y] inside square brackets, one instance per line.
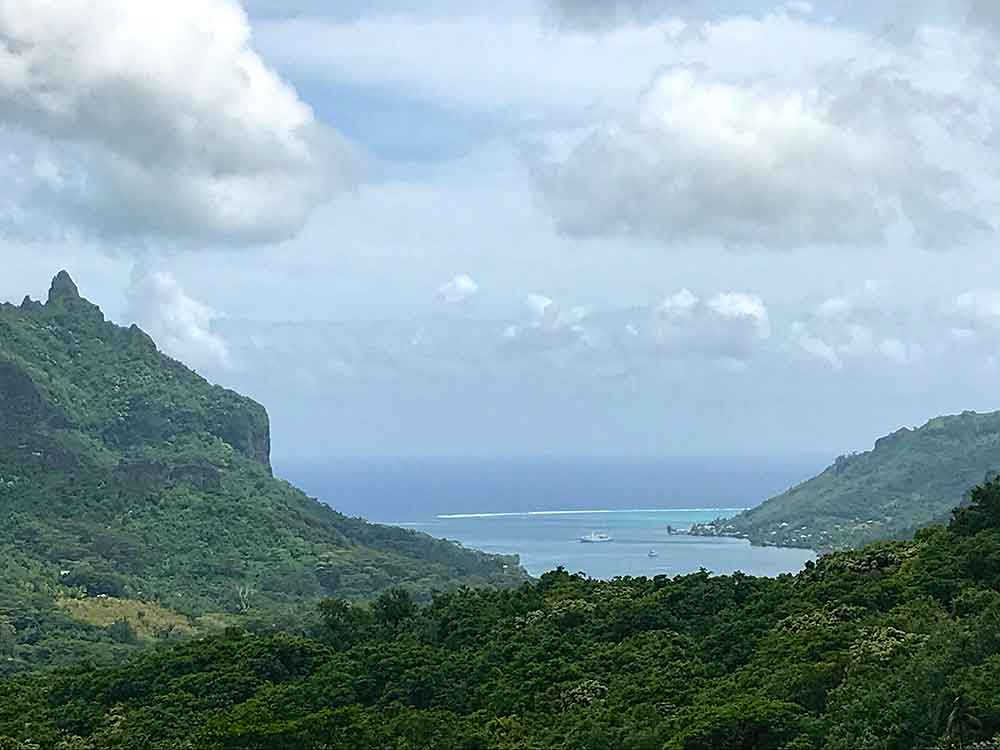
[540, 508]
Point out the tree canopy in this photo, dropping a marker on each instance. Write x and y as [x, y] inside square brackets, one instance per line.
[892, 647]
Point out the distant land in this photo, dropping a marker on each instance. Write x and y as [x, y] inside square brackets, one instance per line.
[912, 478]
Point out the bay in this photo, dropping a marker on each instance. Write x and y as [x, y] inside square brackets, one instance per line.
[547, 540]
[539, 507]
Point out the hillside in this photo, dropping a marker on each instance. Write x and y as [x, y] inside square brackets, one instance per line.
[895, 647]
[910, 479]
[132, 490]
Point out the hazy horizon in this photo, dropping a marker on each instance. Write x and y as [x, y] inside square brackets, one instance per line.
[404, 489]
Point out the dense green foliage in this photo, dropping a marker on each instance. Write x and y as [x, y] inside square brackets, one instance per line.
[894, 647]
[125, 477]
[911, 478]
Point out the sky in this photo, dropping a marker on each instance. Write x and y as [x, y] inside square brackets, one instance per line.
[537, 227]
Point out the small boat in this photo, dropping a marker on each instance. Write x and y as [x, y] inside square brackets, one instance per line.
[652, 553]
[596, 537]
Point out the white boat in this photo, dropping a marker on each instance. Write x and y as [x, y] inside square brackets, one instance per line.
[596, 537]
[652, 553]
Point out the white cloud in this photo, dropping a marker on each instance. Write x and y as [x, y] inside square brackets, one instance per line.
[180, 325]
[897, 351]
[683, 329]
[978, 307]
[759, 164]
[865, 328]
[740, 306]
[727, 328]
[817, 347]
[542, 308]
[680, 305]
[460, 289]
[548, 328]
[139, 120]
[835, 308]
[974, 319]
[527, 74]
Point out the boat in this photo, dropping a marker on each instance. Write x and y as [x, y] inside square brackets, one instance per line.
[596, 537]
[652, 553]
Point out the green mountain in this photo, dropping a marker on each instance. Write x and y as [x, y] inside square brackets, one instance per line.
[895, 647]
[137, 500]
[910, 479]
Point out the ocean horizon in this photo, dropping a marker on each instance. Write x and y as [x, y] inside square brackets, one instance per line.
[400, 490]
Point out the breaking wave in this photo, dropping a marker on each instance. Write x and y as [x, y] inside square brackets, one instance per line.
[530, 513]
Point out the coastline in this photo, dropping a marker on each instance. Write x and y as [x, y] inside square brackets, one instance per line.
[731, 531]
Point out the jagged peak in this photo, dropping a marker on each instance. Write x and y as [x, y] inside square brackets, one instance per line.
[63, 288]
[30, 304]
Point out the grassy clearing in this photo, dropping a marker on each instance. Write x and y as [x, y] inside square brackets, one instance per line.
[148, 620]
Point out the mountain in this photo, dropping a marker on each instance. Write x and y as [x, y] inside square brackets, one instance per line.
[910, 479]
[136, 495]
[893, 647]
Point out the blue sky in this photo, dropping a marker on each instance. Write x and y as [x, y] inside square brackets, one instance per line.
[542, 226]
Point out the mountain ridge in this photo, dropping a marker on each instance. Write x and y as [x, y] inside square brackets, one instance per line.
[126, 477]
[911, 478]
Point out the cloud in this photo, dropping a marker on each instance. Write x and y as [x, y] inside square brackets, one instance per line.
[349, 9]
[592, 15]
[725, 329]
[740, 306]
[549, 329]
[895, 18]
[680, 305]
[460, 289]
[801, 7]
[180, 325]
[982, 15]
[520, 74]
[871, 332]
[728, 328]
[759, 164]
[974, 316]
[599, 14]
[140, 121]
[543, 309]
[864, 328]
[513, 71]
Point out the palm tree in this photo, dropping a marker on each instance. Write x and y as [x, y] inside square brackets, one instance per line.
[961, 721]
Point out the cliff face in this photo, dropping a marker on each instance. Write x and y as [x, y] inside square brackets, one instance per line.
[62, 364]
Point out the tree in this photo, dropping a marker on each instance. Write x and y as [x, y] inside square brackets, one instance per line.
[8, 638]
[346, 623]
[394, 607]
[244, 595]
[961, 721]
[982, 512]
[121, 631]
